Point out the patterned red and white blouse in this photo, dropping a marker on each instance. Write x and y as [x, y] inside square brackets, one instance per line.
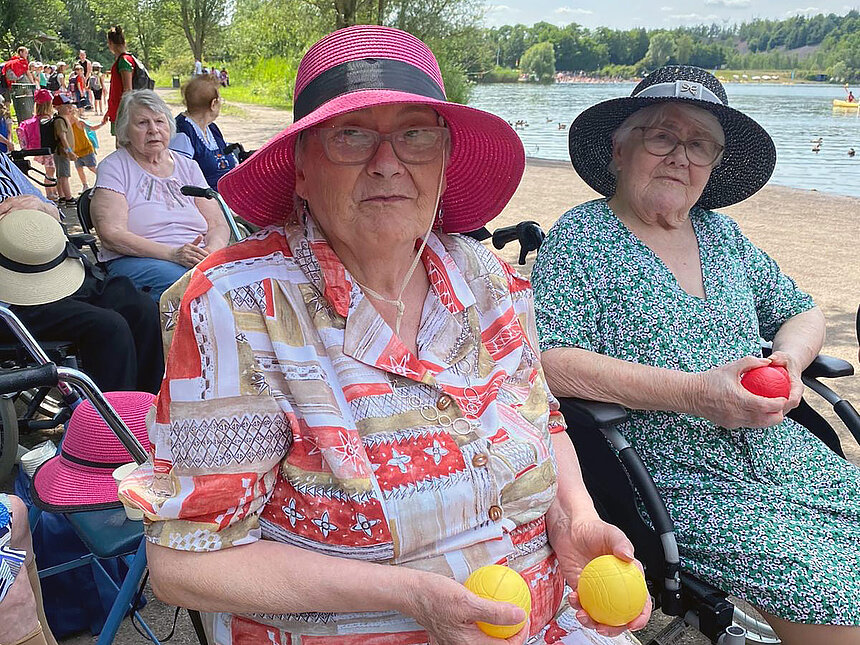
[291, 412]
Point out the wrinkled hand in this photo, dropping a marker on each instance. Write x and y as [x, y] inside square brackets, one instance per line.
[576, 544]
[722, 399]
[448, 611]
[790, 364]
[189, 255]
[27, 202]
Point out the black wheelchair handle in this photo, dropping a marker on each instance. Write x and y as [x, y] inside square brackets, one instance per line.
[30, 152]
[529, 234]
[197, 191]
[27, 378]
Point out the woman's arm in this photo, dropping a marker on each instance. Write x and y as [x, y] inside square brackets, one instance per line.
[277, 578]
[796, 344]
[109, 212]
[125, 77]
[716, 394]
[217, 233]
[578, 535]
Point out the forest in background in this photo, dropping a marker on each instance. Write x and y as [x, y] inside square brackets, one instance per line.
[261, 41]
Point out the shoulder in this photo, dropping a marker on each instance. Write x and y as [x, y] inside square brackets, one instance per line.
[717, 225]
[476, 262]
[118, 157]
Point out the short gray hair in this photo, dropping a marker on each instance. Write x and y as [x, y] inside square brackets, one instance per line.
[135, 100]
[655, 115]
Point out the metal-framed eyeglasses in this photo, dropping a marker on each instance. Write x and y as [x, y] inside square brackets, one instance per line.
[662, 143]
[350, 145]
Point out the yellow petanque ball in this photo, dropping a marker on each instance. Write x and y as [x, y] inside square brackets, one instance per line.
[495, 582]
[612, 591]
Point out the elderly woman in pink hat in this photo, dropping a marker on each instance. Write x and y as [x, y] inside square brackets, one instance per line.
[354, 415]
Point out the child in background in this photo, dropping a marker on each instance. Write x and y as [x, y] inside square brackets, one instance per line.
[83, 146]
[96, 84]
[45, 111]
[64, 153]
[5, 128]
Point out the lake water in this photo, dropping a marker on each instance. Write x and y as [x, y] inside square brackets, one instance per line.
[792, 114]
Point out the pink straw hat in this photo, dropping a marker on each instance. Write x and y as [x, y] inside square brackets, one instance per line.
[367, 65]
[80, 478]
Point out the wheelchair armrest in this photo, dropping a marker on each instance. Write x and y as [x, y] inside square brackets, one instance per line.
[595, 414]
[80, 240]
[828, 367]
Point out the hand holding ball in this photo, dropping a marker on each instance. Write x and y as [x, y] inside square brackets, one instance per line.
[612, 591]
[495, 582]
[771, 381]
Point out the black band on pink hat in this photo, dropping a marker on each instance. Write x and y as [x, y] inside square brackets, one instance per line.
[365, 74]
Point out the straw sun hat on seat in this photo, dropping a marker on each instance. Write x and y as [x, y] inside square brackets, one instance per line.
[747, 162]
[367, 65]
[38, 264]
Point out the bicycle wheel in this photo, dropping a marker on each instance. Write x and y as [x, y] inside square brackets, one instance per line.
[8, 436]
[748, 617]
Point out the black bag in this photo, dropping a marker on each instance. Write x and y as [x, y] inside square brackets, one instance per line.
[140, 78]
[53, 83]
[46, 133]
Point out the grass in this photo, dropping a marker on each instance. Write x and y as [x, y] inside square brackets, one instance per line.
[266, 82]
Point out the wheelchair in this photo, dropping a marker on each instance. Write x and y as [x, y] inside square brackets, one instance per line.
[618, 481]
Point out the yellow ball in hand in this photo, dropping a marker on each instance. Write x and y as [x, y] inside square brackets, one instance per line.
[495, 582]
[612, 591]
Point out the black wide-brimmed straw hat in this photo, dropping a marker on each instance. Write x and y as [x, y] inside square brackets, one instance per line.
[747, 162]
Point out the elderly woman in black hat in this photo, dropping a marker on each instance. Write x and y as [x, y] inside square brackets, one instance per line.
[359, 386]
[651, 299]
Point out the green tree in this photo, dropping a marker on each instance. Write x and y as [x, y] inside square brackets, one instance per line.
[539, 61]
[201, 20]
[22, 21]
[683, 48]
[146, 24]
[660, 50]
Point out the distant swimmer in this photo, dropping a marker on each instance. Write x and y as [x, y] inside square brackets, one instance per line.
[850, 152]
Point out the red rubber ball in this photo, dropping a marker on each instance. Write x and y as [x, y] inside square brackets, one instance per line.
[771, 381]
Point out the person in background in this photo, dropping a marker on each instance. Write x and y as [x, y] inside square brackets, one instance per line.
[95, 83]
[6, 143]
[42, 77]
[225, 77]
[121, 73]
[22, 613]
[17, 68]
[197, 136]
[198, 67]
[77, 85]
[87, 66]
[64, 152]
[83, 145]
[57, 79]
[44, 112]
[114, 326]
[149, 230]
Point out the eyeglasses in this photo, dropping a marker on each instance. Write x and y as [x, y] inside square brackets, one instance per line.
[662, 143]
[349, 145]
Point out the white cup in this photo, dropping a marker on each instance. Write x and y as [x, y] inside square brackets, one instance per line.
[118, 475]
[34, 458]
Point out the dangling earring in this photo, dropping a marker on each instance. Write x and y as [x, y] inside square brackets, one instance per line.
[437, 225]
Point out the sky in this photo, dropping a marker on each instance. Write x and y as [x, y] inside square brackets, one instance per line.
[625, 14]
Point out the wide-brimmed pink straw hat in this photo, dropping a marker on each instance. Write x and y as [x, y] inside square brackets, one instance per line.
[366, 65]
[80, 478]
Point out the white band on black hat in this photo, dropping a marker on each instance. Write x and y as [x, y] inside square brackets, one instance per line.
[681, 90]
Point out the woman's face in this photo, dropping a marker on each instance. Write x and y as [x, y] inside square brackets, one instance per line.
[148, 131]
[654, 184]
[382, 200]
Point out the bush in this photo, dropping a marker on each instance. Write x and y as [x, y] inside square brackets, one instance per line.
[266, 81]
[500, 75]
[458, 87]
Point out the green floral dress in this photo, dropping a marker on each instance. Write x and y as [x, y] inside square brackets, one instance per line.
[770, 515]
